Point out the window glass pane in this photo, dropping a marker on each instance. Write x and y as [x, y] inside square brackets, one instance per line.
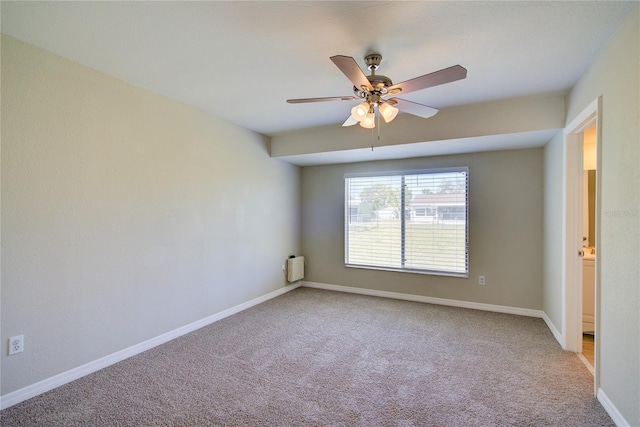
[374, 230]
[431, 236]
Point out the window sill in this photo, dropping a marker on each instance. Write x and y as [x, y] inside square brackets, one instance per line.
[411, 271]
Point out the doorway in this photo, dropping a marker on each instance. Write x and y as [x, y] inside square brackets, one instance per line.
[573, 232]
[589, 175]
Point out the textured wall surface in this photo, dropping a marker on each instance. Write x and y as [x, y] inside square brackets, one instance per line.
[552, 245]
[125, 215]
[615, 75]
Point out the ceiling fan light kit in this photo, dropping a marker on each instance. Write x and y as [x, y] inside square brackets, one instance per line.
[377, 91]
[369, 122]
[388, 112]
[360, 111]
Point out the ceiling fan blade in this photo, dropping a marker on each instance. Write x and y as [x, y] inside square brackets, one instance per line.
[436, 78]
[414, 108]
[350, 68]
[331, 98]
[350, 122]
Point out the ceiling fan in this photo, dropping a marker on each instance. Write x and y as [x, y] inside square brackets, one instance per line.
[377, 91]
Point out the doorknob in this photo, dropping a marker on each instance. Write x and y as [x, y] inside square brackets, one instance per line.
[581, 253]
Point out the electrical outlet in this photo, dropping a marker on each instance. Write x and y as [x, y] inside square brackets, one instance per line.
[481, 280]
[16, 344]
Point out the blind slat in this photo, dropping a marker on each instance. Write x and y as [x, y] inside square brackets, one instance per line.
[434, 236]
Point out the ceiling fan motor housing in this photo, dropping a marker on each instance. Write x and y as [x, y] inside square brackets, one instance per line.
[380, 85]
[373, 61]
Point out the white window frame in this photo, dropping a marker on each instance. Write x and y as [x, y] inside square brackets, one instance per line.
[464, 274]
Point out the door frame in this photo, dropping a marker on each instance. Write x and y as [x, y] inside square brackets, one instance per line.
[572, 231]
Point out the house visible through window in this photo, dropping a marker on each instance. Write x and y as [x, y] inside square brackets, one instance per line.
[414, 221]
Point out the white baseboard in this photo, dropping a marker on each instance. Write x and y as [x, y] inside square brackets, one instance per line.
[43, 386]
[611, 409]
[430, 300]
[556, 334]
[586, 363]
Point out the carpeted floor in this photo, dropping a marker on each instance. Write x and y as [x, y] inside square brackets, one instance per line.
[320, 358]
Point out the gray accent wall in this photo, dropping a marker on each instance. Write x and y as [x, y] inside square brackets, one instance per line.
[505, 235]
[125, 215]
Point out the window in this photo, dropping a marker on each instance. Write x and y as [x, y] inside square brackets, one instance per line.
[415, 221]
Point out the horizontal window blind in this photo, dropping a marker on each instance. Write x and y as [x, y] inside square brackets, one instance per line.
[414, 221]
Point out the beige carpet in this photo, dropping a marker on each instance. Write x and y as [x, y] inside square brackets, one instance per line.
[320, 358]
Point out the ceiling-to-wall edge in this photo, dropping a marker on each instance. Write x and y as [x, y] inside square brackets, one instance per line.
[512, 116]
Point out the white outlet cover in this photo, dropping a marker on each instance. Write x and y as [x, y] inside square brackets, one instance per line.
[16, 344]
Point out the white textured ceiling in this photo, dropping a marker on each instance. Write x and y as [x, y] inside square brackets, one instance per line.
[242, 60]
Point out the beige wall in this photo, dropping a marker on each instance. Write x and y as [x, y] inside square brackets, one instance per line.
[505, 192]
[125, 215]
[615, 74]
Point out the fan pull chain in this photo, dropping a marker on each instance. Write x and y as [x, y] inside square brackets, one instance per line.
[372, 134]
[377, 126]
